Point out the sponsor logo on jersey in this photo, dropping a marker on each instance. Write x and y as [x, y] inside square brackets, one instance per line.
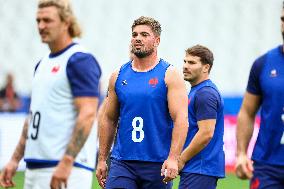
[273, 73]
[123, 82]
[55, 69]
[153, 82]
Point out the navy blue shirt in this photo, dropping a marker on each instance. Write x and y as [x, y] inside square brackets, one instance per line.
[205, 102]
[267, 81]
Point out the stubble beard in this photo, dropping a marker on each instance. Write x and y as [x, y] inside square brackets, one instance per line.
[142, 53]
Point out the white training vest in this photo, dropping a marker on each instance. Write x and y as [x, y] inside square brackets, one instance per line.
[53, 114]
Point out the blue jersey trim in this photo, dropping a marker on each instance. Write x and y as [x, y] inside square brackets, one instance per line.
[36, 164]
[36, 67]
[83, 72]
[253, 85]
[53, 55]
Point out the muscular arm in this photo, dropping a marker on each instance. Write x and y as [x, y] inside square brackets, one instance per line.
[87, 108]
[245, 122]
[200, 140]
[108, 119]
[177, 103]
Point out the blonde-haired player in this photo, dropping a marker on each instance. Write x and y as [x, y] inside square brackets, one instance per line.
[56, 142]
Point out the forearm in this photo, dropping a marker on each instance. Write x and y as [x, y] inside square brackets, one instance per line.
[198, 143]
[106, 138]
[80, 134]
[20, 149]
[178, 138]
[245, 124]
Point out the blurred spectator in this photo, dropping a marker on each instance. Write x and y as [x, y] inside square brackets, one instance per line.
[9, 100]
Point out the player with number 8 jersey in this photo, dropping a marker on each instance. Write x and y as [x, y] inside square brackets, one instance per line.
[148, 97]
[145, 125]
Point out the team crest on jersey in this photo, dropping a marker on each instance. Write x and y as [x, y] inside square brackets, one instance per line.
[255, 184]
[55, 69]
[273, 73]
[153, 81]
[189, 101]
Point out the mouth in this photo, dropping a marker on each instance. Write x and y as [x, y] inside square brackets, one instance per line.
[43, 33]
[138, 45]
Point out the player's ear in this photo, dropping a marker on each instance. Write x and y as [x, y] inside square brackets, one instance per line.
[157, 42]
[206, 68]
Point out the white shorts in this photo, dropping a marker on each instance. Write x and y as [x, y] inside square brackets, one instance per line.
[40, 178]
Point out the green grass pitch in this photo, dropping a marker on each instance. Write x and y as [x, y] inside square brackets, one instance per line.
[230, 182]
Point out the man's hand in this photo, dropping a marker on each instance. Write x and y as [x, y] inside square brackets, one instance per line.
[169, 169]
[61, 173]
[244, 167]
[101, 173]
[7, 174]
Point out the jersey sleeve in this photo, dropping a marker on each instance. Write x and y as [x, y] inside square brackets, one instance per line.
[83, 72]
[206, 103]
[253, 85]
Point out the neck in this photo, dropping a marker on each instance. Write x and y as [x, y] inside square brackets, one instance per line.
[200, 80]
[60, 44]
[146, 63]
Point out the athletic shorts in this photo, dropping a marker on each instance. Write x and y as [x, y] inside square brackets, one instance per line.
[197, 181]
[135, 175]
[267, 176]
[40, 178]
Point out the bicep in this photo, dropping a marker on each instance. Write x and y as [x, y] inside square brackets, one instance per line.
[111, 105]
[207, 125]
[177, 96]
[86, 105]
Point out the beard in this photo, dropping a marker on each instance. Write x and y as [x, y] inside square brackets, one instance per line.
[142, 53]
[283, 36]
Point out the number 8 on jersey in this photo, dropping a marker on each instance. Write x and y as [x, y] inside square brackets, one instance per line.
[137, 124]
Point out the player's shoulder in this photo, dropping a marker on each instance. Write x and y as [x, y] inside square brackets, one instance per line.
[207, 91]
[261, 60]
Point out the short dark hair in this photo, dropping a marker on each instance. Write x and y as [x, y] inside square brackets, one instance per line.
[154, 24]
[205, 55]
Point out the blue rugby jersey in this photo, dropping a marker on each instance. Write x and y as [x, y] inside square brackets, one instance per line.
[211, 160]
[145, 126]
[267, 80]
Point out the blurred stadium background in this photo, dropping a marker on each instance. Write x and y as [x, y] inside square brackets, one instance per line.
[237, 31]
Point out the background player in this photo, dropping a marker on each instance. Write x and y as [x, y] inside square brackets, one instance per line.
[265, 89]
[203, 159]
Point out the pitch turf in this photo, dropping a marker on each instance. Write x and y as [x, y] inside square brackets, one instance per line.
[230, 182]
